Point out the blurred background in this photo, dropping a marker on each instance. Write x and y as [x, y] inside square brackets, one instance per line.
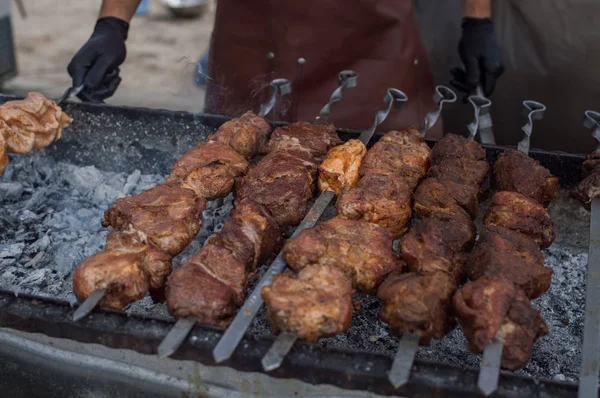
[162, 50]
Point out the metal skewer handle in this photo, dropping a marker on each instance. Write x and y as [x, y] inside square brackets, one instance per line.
[442, 95]
[393, 98]
[534, 111]
[483, 120]
[279, 87]
[592, 121]
[590, 364]
[346, 79]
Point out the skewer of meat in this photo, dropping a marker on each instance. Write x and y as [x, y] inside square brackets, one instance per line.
[274, 194]
[167, 217]
[417, 305]
[32, 123]
[506, 267]
[588, 192]
[358, 242]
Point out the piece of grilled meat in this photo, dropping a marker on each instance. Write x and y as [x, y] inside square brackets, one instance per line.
[210, 286]
[281, 182]
[381, 197]
[493, 306]
[168, 216]
[246, 134]
[520, 213]
[128, 267]
[432, 197]
[209, 169]
[403, 152]
[304, 140]
[315, 303]
[516, 172]
[439, 244]
[341, 166]
[511, 255]
[363, 251]
[33, 123]
[419, 304]
[589, 188]
[453, 146]
[250, 233]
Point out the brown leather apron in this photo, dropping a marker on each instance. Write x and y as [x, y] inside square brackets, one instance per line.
[379, 39]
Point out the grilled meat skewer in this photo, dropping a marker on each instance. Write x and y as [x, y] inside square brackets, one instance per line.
[166, 218]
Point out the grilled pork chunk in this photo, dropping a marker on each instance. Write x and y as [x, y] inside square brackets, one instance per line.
[246, 134]
[516, 172]
[453, 146]
[511, 255]
[33, 123]
[341, 166]
[209, 169]
[128, 267]
[315, 303]
[281, 182]
[402, 152]
[304, 140]
[520, 213]
[381, 197]
[493, 306]
[167, 216]
[3, 154]
[419, 304]
[363, 251]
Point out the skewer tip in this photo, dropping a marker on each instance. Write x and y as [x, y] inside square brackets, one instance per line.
[276, 354]
[89, 304]
[175, 337]
[490, 368]
[403, 361]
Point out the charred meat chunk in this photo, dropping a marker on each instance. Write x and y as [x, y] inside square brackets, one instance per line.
[511, 255]
[494, 307]
[439, 244]
[520, 213]
[453, 146]
[403, 152]
[209, 169]
[363, 251]
[247, 134]
[208, 287]
[516, 172]
[315, 303]
[167, 216]
[127, 268]
[305, 140]
[282, 183]
[381, 197]
[418, 304]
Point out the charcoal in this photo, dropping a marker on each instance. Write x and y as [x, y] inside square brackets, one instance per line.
[36, 261]
[11, 191]
[35, 278]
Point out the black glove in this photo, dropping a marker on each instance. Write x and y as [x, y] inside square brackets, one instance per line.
[96, 64]
[480, 54]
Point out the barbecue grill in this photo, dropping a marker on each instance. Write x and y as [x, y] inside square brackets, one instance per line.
[51, 204]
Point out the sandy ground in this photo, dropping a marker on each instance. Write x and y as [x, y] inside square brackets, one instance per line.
[160, 65]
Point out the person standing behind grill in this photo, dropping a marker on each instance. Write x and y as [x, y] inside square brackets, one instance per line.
[254, 42]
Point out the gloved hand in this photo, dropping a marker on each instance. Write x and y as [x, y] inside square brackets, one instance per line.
[96, 64]
[480, 54]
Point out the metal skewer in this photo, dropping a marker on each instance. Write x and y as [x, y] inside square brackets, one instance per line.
[280, 87]
[409, 342]
[234, 333]
[534, 111]
[486, 134]
[590, 365]
[489, 373]
[442, 95]
[346, 79]
[285, 341]
[483, 121]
